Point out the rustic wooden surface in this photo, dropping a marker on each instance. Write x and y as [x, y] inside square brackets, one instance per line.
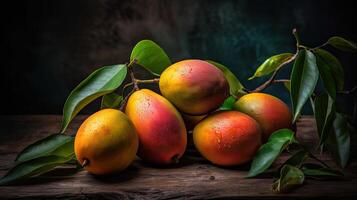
[194, 178]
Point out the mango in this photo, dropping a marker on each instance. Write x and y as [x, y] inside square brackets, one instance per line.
[227, 138]
[195, 87]
[106, 142]
[160, 127]
[270, 112]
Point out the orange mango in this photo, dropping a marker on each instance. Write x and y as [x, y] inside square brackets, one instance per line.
[227, 138]
[270, 112]
[107, 140]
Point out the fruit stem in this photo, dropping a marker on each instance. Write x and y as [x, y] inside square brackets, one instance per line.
[175, 159]
[85, 162]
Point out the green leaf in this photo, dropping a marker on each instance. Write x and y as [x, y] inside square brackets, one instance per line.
[324, 111]
[342, 44]
[150, 56]
[290, 177]
[326, 77]
[319, 172]
[328, 62]
[228, 103]
[102, 81]
[33, 167]
[235, 86]
[56, 144]
[111, 100]
[304, 77]
[268, 152]
[271, 64]
[338, 141]
[297, 159]
[287, 85]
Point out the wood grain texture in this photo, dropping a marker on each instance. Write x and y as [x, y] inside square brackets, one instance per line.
[193, 178]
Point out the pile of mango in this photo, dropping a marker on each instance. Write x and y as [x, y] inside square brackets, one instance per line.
[155, 126]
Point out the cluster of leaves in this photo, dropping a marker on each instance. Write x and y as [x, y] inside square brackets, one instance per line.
[41, 157]
[310, 66]
[57, 149]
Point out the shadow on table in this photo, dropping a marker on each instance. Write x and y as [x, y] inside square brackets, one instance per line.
[126, 175]
[60, 173]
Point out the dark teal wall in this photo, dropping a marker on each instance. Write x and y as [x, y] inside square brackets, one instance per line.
[50, 46]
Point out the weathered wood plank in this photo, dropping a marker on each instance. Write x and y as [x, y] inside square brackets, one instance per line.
[193, 178]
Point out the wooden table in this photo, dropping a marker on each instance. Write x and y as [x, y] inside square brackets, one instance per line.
[193, 178]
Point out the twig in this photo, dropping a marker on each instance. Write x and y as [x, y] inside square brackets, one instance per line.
[125, 100]
[267, 83]
[297, 38]
[126, 86]
[133, 80]
[281, 81]
[155, 80]
[351, 91]
[271, 79]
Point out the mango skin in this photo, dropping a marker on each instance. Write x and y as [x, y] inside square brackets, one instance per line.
[227, 138]
[160, 127]
[195, 87]
[108, 140]
[270, 112]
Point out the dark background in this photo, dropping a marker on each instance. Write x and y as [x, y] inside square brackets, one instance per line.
[48, 47]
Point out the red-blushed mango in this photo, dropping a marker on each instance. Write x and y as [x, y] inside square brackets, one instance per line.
[270, 112]
[107, 140]
[195, 87]
[161, 130]
[227, 138]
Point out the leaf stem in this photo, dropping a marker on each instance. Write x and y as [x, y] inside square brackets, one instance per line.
[318, 47]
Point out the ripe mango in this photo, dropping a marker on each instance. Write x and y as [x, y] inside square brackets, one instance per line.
[270, 112]
[195, 87]
[227, 138]
[107, 140]
[161, 130]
